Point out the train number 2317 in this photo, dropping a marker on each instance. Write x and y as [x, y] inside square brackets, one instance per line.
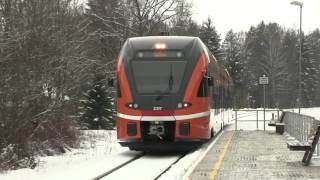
[157, 108]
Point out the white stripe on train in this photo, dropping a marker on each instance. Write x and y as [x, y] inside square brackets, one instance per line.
[164, 118]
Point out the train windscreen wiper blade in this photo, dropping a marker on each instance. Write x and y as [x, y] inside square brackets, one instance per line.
[170, 86]
[170, 79]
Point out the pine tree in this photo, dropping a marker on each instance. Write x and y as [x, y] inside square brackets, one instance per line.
[314, 39]
[275, 65]
[211, 38]
[255, 53]
[265, 58]
[234, 63]
[308, 73]
[98, 107]
[290, 56]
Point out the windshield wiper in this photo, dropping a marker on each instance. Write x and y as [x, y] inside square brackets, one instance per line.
[170, 86]
[170, 79]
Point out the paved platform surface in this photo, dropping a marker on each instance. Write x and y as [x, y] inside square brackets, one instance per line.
[253, 155]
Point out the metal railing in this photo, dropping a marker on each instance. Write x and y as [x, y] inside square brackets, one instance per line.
[300, 126]
[278, 111]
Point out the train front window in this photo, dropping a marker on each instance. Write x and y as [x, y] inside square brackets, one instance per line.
[158, 76]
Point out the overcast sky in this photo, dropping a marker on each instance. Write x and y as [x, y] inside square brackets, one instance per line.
[241, 14]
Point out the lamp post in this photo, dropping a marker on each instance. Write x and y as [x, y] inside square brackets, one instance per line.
[300, 4]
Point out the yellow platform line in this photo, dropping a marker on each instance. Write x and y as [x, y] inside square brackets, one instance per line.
[217, 165]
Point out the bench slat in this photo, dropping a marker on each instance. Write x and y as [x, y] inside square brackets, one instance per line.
[298, 146]
[271, 124]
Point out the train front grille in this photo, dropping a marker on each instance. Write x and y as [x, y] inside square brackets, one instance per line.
[158, 131]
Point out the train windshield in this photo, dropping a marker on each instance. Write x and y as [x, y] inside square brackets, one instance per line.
[158, 76]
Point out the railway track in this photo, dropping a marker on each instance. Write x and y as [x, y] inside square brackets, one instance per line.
[167, 169]
[148, 166]
[143, 166]
[118, 167]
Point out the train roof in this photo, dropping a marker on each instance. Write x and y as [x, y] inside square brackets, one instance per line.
[171, 42]
[191, 46]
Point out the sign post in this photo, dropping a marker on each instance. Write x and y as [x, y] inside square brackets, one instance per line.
[264, 80]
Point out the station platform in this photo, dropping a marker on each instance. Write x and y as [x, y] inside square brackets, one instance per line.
[253, 155]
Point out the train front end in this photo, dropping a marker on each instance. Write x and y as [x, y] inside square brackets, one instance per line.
[163, 101]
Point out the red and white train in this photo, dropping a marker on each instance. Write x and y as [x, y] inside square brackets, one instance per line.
[167, 87]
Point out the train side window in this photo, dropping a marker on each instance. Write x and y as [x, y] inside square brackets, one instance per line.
[203, 90]
[217, 98]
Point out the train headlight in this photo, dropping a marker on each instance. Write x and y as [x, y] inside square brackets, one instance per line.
[135, 105]
[140, 54]
[132, 105]
[183, 105]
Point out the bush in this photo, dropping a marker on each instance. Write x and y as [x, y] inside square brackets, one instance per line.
[98, 108]
[29, 131]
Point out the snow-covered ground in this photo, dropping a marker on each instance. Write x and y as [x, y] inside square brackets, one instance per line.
[100, 152]
[247, 119]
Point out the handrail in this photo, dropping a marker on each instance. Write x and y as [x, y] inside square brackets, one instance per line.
[257, 115]
[304, 129]
[299, 125]
[257, 110]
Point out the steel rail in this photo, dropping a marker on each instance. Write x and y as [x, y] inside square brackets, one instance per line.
[118, 167]
[168, 168]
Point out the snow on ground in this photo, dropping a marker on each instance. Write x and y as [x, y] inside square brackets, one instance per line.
[186, 165]
[100, 152]
[247, 119]
[147, 167]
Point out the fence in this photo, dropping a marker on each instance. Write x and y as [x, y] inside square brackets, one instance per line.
[299, 126]
[278, 111]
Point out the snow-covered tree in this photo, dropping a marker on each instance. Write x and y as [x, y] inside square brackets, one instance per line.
[39, 44]
[106, 29]
[314, 40]
[255, 54]
[98, 108]
[290, 55]
[148, 16]
[309, 72]
[182, 24]
[234, 63]
[264, 57]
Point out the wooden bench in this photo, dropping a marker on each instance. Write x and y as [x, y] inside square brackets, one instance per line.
[298, 146]
[278, 124]
[308, 147]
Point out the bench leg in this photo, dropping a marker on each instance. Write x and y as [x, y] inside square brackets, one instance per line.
[307, 162]
[309, 153]
[305, 156]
